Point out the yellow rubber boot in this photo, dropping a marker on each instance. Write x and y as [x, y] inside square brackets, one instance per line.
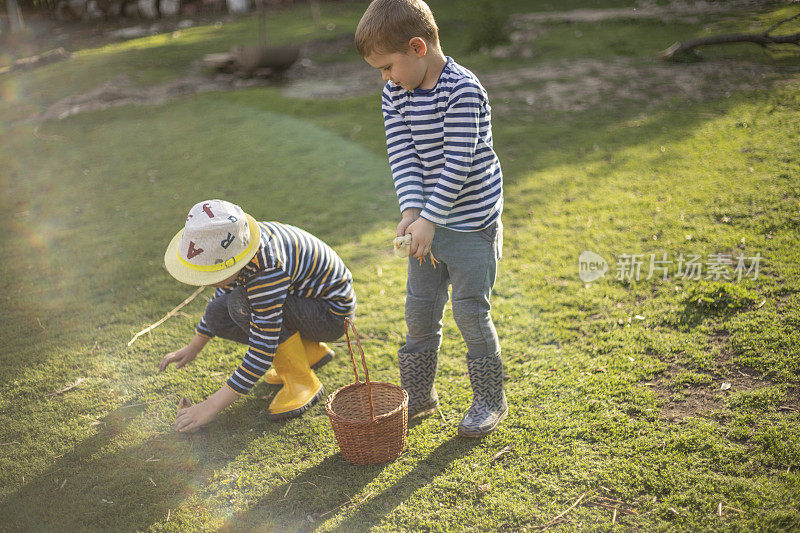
[317, 355]
[301, 388]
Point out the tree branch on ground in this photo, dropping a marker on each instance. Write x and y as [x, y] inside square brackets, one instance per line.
[765, 39]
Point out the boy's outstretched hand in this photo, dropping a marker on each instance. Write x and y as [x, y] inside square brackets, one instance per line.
[422, 232]
[194, 417]
[184, 355]
[179, 357]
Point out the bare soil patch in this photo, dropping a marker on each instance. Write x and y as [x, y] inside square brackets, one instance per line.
[306, 79]
[676, 11]
[563, 85]
[581, 84]
[702, 400]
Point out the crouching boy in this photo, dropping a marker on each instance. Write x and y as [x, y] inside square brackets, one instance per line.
[280, 290]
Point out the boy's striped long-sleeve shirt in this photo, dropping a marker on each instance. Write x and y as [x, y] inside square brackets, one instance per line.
[289, 261]
[440, 150]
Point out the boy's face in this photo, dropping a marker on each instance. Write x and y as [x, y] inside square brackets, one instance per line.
[406, 69]
[225, 282]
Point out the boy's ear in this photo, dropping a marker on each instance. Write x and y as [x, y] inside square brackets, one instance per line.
[418, 46]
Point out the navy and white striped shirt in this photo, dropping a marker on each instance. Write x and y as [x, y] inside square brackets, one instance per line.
[440, 150]
[289, 261]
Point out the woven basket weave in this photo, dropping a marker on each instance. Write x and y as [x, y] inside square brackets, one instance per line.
[369, 418]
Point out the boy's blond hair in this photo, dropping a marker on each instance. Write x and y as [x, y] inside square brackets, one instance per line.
[388, 25]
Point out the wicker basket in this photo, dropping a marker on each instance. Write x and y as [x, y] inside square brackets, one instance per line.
[369, 418]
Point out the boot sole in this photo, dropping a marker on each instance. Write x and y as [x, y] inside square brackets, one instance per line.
[425, 411]
[294, 413]
[324, 360]
[478, 434]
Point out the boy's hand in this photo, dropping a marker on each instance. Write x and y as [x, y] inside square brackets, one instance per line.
[422, 232]
[179, 357]
[185, 354]
[409, 216]
[194, 417]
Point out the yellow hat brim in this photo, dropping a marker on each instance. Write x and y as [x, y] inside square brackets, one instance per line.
[184, 274]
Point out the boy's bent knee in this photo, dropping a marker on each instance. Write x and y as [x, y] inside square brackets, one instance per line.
[239, 308]
[216, 313]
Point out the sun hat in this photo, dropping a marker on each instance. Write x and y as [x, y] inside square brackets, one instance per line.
[216, 242]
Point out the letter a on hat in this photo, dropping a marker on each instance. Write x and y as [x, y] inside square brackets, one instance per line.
[193, 251]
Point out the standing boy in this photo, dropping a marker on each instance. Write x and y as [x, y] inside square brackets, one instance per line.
[450, 187]
[280, 290]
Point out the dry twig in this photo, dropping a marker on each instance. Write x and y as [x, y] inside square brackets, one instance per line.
[556, 520]
[764, 40]
[347, 502]
[610, 507]
[167, 316]
[507, 449]
[68, 387]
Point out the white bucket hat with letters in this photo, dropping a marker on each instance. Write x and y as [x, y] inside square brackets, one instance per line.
[216, 242]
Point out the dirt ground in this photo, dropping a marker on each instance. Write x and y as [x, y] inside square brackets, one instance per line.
[576, 85]
[676, 11]
[562, 85]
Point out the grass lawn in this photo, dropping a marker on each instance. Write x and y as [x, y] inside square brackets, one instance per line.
[674, 401]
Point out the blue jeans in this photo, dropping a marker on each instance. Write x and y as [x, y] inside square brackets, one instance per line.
[468, 262]
[228, 316]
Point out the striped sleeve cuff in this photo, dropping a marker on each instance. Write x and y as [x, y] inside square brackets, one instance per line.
[228, 384]
[433, 217]
[203, 330]
[253, 367]
[410, 204]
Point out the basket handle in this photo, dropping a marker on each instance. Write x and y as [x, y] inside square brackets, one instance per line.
[348, 324]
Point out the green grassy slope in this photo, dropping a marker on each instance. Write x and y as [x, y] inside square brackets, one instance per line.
[604, 403]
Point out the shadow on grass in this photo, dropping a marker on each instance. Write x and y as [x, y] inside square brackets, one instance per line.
[423, 474]
[313, 495]
[103, 484]
[332, 487]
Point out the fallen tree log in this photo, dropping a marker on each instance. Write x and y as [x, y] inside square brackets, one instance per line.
[764, 39]
[45, 58]
[253, 61]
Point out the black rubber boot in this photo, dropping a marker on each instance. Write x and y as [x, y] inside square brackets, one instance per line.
[417, 376]
[489, 405]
